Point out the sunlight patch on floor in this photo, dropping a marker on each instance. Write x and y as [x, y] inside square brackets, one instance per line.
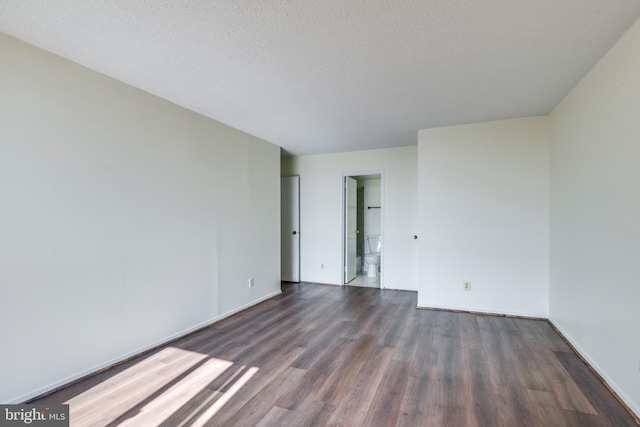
[179, 395]
[226, 396]
[155, 369]
[172, 382]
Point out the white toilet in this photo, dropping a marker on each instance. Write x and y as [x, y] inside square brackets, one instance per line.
[372, 257]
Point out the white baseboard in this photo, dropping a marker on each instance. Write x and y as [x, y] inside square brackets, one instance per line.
[320, 283]
[397, 288]
[632, 405]
[482, 311]
[138, 351]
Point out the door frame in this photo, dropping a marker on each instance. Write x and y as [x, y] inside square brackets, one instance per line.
[285, 234]
[351, 236]
[343, 219]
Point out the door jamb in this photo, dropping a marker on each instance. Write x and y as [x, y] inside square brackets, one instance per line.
[343, 219]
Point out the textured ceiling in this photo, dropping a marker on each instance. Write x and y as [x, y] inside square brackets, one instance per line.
[337, 75]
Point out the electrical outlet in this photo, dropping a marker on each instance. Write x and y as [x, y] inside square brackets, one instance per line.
[251, 283]
[466, 285]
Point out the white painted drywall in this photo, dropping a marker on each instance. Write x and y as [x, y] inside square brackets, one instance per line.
[595, 217]
[372, 217]
[321, 216]
[483, 192]
[124, 220]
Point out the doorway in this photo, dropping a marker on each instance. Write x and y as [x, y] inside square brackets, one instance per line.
[363, 210]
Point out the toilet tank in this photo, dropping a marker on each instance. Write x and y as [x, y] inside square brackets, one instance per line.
[374, 243]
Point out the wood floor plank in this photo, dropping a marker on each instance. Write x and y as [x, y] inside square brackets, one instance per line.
[337, 384]
[545, 410]
[406, 343]
[477, 380]
[311, 413]
[385, 404]
[241, 392]
[303, 391]
[276, 416]
[319, 343]
[320, 355]
[355, 405]
[256, 408]
[604, 403]
[414, 405]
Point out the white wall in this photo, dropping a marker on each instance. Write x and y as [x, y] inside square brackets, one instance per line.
[321, 216]
[372, 217]
[124, 220]
[595, 217]
[483, 191]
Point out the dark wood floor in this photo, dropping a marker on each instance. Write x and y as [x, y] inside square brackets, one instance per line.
[323, 355]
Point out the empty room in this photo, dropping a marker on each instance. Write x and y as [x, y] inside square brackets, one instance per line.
[277, 213]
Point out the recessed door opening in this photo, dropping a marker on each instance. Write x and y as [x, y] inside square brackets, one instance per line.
[290, 228]
[363, 229]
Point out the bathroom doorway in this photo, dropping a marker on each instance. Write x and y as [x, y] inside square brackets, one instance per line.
[362, 231]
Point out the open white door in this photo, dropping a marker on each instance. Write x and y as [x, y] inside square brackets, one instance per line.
[350, 228]
[290, 228]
